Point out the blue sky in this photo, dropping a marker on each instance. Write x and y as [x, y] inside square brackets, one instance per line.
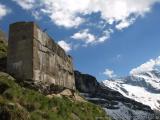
[106, 38]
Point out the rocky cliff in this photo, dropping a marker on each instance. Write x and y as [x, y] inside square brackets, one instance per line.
[114, 103]
[85, 83]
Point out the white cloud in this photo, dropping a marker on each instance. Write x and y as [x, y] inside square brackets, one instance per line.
[65, 46]
[3, 11]
[88, 38]
[36, 15]
[65, 12]
[106, 35]
[26, 4]
[84, 35]
[121, 11]
[109, 73]
[114, 14]
[148, 66]
[125, 24]
[68, 13]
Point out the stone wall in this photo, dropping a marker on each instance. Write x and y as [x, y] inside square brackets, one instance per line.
[20, 50]
[34, 56]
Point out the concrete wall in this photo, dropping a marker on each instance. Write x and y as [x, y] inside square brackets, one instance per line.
[38, 57]
[19, 61]
[51, 64]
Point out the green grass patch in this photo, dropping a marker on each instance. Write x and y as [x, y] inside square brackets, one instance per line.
[19, 103]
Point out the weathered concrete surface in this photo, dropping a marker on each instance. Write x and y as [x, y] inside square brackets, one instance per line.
[20, 50]
[34, 56]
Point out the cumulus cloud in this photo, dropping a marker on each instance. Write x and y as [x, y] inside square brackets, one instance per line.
[3, 11]
[84, 35]
[106, 35]
[88, 38]
[65, 46]
[69, 13]
[109, 73]
[123, 11]
[26, 4]
[150, 65]
[113, 15]
[65, 12]
[125, 23]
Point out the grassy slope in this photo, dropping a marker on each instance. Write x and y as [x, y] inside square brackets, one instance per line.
[18, 103]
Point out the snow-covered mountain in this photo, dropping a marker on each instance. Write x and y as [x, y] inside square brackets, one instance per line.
[143, 87]
[117, 106]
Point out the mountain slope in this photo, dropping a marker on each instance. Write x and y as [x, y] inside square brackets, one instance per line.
[19, 103]
[143, 87]
[115, 104]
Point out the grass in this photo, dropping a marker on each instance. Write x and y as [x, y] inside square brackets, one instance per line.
[19, 103]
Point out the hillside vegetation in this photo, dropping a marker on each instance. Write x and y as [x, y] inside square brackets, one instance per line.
[20, 103]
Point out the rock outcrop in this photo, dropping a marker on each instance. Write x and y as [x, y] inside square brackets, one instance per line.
[114, 103]
[34, 58]
[85, 83]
